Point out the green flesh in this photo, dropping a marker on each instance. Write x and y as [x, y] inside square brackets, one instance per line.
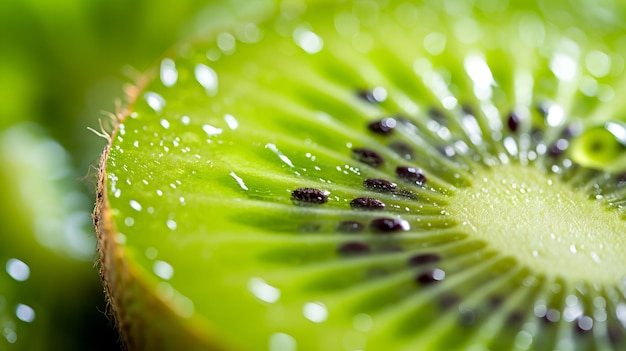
[199, 180]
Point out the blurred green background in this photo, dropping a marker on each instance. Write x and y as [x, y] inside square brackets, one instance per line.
[63, 64]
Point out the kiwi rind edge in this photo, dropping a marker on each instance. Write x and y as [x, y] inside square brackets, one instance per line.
[144, 321]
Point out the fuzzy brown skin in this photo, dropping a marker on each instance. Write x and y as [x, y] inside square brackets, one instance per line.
[144, 321]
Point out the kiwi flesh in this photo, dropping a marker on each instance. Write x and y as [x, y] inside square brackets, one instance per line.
[375, 175]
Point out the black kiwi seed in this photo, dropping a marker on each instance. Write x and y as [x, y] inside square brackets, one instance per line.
[571, 131]
[448, 300]
[367, 156]
[513, 122]
[368, 95]
[411, 175]
[584, 324]
[367, 203]
[543, 109]
[437, 116]
[308, 196]
[424, 258]
[468, 110]
[614, 333]
[495, 301]
[389, 225]
[515, 318]
[403, 150]
[350, 227]
[467, 317]
[620, 179]
[379, 185]
[354, 248]
[429, 277]
[385, 126]
[558, 147]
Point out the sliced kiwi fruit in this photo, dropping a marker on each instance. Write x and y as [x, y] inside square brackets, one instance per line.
[375, 175]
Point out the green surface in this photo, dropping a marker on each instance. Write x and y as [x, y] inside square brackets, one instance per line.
[62, 64]
[200, 175]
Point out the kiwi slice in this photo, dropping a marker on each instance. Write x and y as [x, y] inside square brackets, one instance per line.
[375, 175]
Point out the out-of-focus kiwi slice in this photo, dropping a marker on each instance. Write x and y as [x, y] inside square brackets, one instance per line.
[375, 175]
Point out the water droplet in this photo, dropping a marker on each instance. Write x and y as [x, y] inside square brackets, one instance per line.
[315, 312]
[310, 42]
[25, 313]
[155, 101]
[207, 77]
[135, 205]
[571, 300]
[362, 322]
[523, 340]
[17, 269]
[263, 291]
[379, 94]
[211, 131]
[598, 63]
[249, 33]
[280, 155]
[10, 335]
[564, 67]
[555, 115]
[168, 72]
[584, 324]
[282, 342]
[226, 42]
[171, 224]
[239, 181]
[151, 253]
[510, 145]
[231, 121]
[435, 43]
[163, 270]
[183, 305]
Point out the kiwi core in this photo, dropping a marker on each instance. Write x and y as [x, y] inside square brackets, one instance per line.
[544, 223]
